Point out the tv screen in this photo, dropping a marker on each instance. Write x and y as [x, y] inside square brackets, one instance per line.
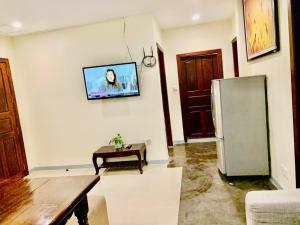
[111, 81]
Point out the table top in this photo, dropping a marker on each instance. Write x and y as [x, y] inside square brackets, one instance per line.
[42, 200]
[111, 149]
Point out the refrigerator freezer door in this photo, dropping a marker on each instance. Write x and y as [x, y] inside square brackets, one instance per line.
[217, 109]
[221, 155]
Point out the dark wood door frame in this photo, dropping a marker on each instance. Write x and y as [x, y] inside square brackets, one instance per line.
[164, 92]
[180, 77]
[294, 29]
[22, 155]
[235, 57]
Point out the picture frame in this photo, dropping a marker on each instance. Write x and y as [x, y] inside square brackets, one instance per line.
[261, 27]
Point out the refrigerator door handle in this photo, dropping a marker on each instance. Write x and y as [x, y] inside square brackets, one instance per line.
[216, 108]
[212, 105]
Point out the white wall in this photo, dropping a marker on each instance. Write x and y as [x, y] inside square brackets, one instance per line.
[191, 39]
[68, 127]
[6, 48]
[157, 33]
[277, 68]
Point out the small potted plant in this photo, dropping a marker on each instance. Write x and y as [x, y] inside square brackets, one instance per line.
[117, 141]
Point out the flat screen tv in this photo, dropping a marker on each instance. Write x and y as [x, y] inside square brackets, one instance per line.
[111, 81]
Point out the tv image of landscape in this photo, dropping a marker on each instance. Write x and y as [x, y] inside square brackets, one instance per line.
[111, 81]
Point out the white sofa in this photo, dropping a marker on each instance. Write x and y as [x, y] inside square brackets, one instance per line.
[97, 212]
[280, 207]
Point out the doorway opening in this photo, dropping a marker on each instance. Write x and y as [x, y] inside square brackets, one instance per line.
[164, 92]
[196, 71]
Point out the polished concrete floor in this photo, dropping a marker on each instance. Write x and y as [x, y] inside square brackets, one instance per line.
[206, 197]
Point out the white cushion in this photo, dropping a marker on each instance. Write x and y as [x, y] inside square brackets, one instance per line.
[97, 212]
[280, 207]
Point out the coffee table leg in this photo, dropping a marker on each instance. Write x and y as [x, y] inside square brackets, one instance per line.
[145, 158]
[95, 164]
[140, 163]
[81, 212]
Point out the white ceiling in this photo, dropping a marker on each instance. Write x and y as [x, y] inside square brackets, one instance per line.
[43, 15]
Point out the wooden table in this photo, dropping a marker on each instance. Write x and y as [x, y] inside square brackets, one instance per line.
[105, 152]
[41, 201]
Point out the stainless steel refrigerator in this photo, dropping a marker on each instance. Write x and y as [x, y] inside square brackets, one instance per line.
[239, 112]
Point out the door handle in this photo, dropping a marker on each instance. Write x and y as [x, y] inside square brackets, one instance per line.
[212, 106]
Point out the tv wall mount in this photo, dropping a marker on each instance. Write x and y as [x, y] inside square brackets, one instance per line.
[149, 60]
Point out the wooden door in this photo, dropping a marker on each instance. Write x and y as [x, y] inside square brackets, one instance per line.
[235, 57]
[196, 71]
[12, 153]
[164, 92]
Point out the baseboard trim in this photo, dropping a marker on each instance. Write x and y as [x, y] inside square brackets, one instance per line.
[195, 140]
[61, 167]
[158, 161]
[180, 142]
[201, 140]
[275, 183]
[83, 166]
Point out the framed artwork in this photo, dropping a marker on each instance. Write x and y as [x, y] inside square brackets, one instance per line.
[261, 27]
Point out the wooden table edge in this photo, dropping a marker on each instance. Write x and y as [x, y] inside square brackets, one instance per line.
[65, 213]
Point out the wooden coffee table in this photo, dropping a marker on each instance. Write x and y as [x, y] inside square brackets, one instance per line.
[106, 152]
[36, 201]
